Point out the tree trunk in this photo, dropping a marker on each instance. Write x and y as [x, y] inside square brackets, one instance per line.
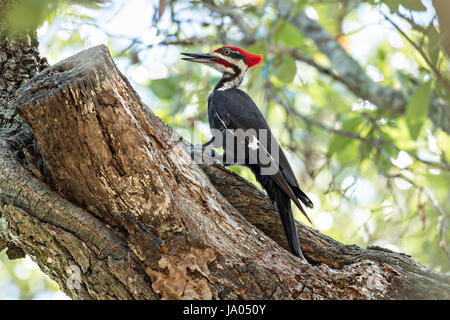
[121, 211]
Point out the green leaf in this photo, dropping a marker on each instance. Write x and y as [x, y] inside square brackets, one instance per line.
[27, 14]
[391, 150]
[352, 124]
[346, 149]
[164, 88]
[404, 82]
[393, 4]
[433, 47]
[384, 161]
[415, 5]
[337, 143]
[443, 141]
[289, 35]
[286, 71]
[299, 5]
[349, 152]
[417, 109]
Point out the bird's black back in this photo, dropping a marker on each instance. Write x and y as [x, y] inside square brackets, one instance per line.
[234, 109]
[237, 109]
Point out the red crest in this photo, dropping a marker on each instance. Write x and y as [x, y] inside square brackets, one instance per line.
[252, 59]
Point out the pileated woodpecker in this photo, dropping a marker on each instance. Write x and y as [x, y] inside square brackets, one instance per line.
[231, 109]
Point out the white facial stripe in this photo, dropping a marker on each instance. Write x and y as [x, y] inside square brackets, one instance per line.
[219, 67]
[233, 83]
[227, 85]
[235, 80]
[241, 64]
[237, 62]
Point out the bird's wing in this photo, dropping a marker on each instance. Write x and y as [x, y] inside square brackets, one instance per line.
[236, 110]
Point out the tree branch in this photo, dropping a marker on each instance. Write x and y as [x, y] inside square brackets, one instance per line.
[348, 134]
[348, 70]
[359, 83]
[115, 160]
[419, 50]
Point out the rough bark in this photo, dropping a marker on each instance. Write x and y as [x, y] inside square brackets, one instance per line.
[125, 205]
[19, 61]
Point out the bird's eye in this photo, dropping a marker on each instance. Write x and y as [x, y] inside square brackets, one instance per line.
[226, 52]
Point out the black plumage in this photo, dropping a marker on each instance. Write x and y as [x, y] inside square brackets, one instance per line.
[234, 109]
[236, 118]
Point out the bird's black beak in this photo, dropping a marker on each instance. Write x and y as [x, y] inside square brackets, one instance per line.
[197, 57]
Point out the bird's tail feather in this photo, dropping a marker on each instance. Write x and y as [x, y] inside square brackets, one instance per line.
[283, 203]
[303, 197]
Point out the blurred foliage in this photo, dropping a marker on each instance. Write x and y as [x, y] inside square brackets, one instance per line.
[376, 178]
[26, 14]
[22, 279]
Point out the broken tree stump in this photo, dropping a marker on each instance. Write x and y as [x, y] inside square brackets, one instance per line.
[182, 231]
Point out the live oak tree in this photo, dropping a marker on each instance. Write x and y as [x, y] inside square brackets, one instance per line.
[91, 178]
